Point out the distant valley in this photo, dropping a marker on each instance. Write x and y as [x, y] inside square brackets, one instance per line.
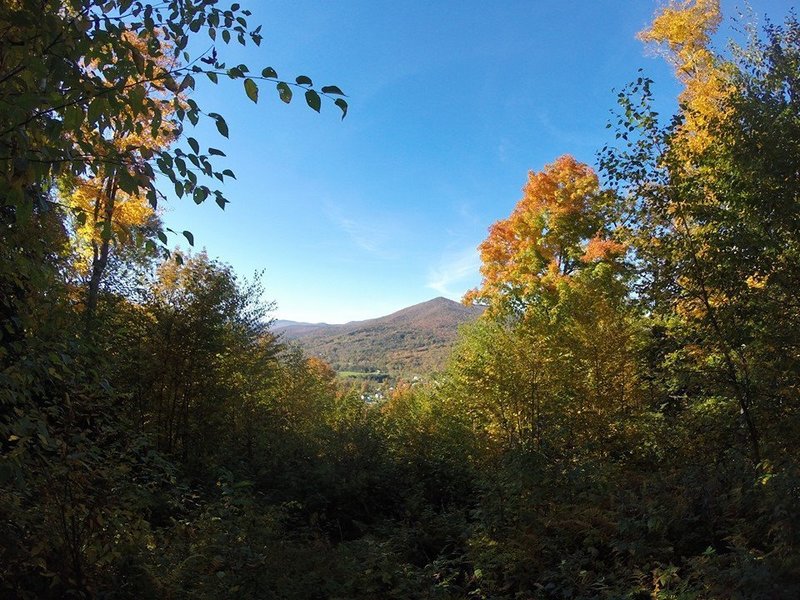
[414, 341]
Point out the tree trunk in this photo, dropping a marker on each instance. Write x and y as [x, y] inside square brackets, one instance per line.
[100, 251]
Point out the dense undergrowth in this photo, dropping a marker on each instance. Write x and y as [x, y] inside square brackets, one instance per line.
[621, 423]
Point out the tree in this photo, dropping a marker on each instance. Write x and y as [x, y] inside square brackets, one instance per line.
[94, 91]
[93, 105]
[682, 32]
[553, 359]
[73, 66]
[553, 231]
[713, 228]
[200, 322]
[103, 213]
[501, 379]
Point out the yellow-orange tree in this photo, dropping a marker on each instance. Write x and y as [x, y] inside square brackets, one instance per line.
[555, 229]
[557, 363]
[681, 32]
[104, 213]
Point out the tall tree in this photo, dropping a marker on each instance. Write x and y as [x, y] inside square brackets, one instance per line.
[554, 230]
[104, 214]
[557, 362]
[713, 224]
[681, 32]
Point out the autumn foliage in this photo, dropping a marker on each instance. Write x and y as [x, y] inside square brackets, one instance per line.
[681, 32]
[621, 422]
[555, 229]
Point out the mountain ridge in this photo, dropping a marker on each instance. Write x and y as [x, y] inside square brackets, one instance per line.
[414, 340]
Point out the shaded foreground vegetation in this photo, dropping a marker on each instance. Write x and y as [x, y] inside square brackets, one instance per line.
[621, 423]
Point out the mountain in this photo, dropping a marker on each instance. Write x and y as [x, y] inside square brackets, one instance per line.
[412, 341]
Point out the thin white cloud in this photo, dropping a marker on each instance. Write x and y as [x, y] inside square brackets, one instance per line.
[363, 236]
[371, 235]
[503, 150]
[562, 135]
[454, 269]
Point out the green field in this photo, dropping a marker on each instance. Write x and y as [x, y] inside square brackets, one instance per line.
[377, 376]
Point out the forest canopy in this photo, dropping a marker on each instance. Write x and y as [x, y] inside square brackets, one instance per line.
[621, 421]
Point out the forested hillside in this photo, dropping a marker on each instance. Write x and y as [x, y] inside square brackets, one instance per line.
[412, 342]
[621, 421]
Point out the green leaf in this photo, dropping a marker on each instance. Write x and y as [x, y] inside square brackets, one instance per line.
[332, 89]
[136, 97]
[342, 105]
[215, 152]
[96, 107]
[303, 80]
[251, 89]
[199, 195]
[189, 237]
[269, 72]
[170, 84]
[179, 189]
[73, 117]
[284, 91]
[222, 126]
[194, 145]
[212, 76]
[188, 82]
[313, 100]
[162, 236]
[107, 232]
[138, 60]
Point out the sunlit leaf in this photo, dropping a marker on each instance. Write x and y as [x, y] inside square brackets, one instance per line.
[251, 89]
[284, 92]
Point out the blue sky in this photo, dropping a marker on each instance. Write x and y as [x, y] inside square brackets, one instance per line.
[451, 104]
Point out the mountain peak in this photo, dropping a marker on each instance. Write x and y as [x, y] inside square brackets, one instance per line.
[412, 340]
[441, 300]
